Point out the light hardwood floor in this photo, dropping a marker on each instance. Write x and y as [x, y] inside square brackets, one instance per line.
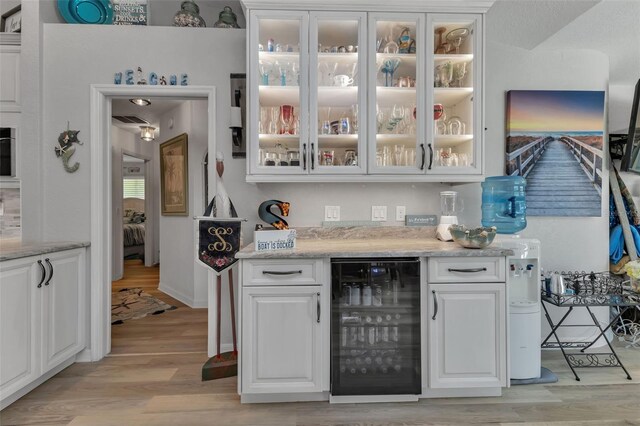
[153, 389]
[181, 330]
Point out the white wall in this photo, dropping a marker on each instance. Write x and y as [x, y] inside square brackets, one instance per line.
[568, 243]
[123, 141]
[180, 277]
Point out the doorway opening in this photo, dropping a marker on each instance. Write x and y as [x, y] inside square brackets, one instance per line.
[154, 306]
[184, 106]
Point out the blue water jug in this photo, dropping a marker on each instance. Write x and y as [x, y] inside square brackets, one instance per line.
[503, 203]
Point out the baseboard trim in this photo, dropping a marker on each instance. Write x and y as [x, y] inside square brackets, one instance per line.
[362, 399]
[176, 294]
[258, 398]
[84, 356]
[460, 392]
[5, 402]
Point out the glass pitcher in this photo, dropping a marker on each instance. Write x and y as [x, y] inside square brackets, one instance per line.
[450, 203]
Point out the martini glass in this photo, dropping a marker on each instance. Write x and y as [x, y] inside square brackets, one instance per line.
[456, 37]
[389, 68]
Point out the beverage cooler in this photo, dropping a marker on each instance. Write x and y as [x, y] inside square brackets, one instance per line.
[375, 326]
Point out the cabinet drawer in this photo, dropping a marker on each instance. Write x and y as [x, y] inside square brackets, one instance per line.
[282, 272]
[466, 269]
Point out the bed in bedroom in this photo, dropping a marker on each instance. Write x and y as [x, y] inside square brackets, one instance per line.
[133, 228]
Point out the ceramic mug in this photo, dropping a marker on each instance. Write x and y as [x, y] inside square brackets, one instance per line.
[342, 80]
[342, 49]
[351, 49]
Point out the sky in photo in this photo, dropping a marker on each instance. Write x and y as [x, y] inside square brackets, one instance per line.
[555, 111]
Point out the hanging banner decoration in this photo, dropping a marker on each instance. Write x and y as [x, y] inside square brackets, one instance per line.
[218, 242]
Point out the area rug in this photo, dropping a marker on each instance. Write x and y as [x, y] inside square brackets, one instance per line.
[134, 303]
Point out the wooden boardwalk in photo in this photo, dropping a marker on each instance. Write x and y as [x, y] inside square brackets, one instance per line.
[559, 186]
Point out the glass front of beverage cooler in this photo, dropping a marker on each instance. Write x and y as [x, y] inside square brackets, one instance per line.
[375, 326]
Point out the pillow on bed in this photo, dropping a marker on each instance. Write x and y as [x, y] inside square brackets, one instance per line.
[137, 218]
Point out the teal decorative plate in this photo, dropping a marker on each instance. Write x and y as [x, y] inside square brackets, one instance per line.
[86, 11]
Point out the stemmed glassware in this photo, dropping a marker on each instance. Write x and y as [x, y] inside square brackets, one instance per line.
[274, 129]
[459, 71]
[389, 67]
[456, 37]
[265, 69]
[286, 118]
[446, 74]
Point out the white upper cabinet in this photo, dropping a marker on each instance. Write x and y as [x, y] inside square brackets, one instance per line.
[365, 95]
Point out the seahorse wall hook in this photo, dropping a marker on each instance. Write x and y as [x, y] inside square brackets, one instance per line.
[264, 212]
[65, 148]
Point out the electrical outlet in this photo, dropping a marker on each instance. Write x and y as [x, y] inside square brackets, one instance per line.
[331, 213]
[401, 212]
[379, 213]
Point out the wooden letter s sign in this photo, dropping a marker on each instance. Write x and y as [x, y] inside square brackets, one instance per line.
[219, 241]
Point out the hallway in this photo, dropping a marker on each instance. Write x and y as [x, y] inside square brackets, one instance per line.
[183, 330]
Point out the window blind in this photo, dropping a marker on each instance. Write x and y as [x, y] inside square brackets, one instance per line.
[133, 188]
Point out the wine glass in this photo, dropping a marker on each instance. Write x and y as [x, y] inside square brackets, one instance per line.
[354, 117]
[331, 72]
[456, 37]
[282, 68]
[446, 74]
[397, 115]
[286, 118]
[459, 71]
[265, 69]
[295, 72]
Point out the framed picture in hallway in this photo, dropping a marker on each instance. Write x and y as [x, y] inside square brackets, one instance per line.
[555, 140]
[174, 177]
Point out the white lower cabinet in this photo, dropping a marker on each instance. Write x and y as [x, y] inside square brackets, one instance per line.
[282, 342]
[467, 335]
[63, 309]
[42, 317]
[18, 325]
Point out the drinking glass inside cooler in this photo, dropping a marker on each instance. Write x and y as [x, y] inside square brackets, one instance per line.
[375, 326]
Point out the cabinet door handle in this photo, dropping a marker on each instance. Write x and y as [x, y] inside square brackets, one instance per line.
[318, 302]
[50, 270]
[313, 156]
[282, 272]
[435, 304]
[44, 273]
[430, 156]
[467, 270]
[304, 156]
[424, 154]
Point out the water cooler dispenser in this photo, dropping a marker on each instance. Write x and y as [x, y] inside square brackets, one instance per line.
[504, 206]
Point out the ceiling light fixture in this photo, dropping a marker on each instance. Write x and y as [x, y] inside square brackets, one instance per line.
[147, 133]
[140, 101]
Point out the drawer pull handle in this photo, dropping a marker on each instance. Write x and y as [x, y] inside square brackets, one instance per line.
[468, 270]
[435, 305]
[51, 270]
[282, 272]
[318, 301]
[44, 273]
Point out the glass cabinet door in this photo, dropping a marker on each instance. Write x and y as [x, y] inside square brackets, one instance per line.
[278, 79]
[452, 61]
[338, 75]
[396, 46]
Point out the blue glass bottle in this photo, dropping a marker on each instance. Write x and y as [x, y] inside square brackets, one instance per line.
[504, 204]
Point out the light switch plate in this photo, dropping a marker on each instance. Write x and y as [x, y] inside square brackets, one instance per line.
[379, 213]
[331, 213]
[401, 212]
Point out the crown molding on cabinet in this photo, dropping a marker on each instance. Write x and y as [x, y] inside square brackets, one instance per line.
[440, 6]
[10, 39]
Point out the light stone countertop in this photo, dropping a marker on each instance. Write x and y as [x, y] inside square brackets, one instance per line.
[15, 249]
[370, 242]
